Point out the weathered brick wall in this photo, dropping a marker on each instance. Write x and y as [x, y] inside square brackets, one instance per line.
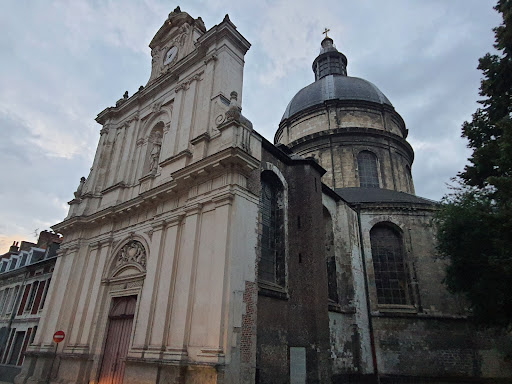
[439, 347]
[299, 317]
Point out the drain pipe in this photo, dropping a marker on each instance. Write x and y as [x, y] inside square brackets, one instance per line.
[368, 307]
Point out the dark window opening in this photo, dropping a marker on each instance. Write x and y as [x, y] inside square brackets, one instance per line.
[367, 166]
[330, 258]
[272, 266]
[16, 349]
[391, 274]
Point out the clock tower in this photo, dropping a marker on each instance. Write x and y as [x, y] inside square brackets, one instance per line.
[174, 40]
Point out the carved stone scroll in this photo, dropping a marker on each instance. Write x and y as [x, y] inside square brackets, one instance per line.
[132, 252]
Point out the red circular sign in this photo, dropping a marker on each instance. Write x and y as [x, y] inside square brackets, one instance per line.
[59, 336]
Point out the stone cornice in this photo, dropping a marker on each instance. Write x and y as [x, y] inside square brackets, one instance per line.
[358, 104]
[228, 158]
[367, 208]
[354, 131]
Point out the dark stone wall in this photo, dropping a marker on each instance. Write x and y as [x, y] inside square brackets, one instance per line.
[297, 316]
[429, 347]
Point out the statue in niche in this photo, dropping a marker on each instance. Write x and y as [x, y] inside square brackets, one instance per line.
[154, 155]
[78, 192]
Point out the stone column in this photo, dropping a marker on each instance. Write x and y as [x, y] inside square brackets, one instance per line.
[83, 295]
[56, 300]
[186, 117]
[164, 295]
[95, 165]
[220, 258]
[100, 262]
[170, 144]
[183, 295]
[115, 164]
[143, 322]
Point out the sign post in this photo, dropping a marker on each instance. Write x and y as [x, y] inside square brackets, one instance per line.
[57, 338]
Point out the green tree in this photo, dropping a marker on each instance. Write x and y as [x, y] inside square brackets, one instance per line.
[475, 222]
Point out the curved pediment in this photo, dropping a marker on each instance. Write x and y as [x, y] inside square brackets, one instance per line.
[128, 269]
[171, 27]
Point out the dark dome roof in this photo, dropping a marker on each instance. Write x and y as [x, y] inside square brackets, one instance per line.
[335, 87]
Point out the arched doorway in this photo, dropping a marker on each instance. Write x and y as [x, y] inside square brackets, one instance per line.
[118, 340]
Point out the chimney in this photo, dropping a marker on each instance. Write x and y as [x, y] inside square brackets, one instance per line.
[14, 247]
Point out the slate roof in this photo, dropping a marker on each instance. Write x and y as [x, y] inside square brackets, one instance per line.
[378, 195]
[335, 87]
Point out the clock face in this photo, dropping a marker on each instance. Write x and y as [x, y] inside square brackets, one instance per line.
[170, 55]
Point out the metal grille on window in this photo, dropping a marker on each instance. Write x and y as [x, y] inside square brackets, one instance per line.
[367, 166]
[391, 276]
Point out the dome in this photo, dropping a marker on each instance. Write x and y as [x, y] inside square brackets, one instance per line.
[335, 87]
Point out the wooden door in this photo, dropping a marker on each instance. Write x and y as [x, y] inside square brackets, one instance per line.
[118, 340]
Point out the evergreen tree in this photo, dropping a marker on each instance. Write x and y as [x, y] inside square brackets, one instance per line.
[475, 222]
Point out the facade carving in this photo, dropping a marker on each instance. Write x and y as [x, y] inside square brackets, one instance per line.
[132, 252]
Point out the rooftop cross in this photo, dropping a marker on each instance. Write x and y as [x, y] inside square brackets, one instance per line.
[325, 32]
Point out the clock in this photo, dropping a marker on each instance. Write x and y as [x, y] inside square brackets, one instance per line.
[170, 55]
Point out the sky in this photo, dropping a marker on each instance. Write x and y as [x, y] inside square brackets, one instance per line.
[63, 62]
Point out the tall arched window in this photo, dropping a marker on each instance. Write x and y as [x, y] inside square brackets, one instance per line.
[391, 274]
[271, 267]
[367, 167]
[330, 258]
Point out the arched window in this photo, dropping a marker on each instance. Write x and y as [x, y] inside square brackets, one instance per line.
[391, 274]
[367, 167]
[271, 267]
[330, 258]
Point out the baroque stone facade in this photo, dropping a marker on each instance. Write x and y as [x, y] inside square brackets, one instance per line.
[196, 251]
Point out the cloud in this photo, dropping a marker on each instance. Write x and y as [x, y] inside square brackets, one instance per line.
[63, 62]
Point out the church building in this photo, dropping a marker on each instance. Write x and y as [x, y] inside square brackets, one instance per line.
[196, 251]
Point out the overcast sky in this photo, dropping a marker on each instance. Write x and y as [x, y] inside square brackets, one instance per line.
[62, 62]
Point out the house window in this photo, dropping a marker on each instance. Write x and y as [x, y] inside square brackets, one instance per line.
[16, 348]
[367, 167]
[32, 296]
[3, 297]
[23, 259]
[271, 267]
[391, 275]
[12, 264]
[45, 293]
